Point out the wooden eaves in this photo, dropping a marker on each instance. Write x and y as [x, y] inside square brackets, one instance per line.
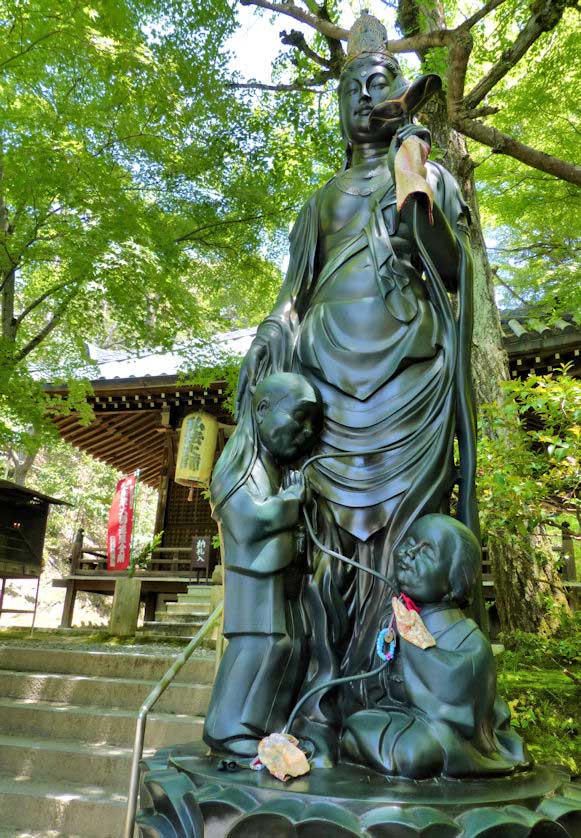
[131, 418]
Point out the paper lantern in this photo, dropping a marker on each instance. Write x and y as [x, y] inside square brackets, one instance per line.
[196, 450]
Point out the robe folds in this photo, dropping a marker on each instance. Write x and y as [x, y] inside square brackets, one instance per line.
[391, 383]
[376, 334]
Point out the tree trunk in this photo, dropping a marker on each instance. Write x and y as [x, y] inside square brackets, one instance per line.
[529, 590]
[7, 287]
[527, 585]
[19, 464]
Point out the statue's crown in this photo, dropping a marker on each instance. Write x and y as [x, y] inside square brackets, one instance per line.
[367, 35]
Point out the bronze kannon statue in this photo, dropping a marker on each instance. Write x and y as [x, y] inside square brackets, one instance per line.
[346, 505]
[365, 322]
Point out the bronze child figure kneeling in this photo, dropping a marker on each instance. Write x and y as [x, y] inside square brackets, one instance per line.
[263, 666]
[443, 717]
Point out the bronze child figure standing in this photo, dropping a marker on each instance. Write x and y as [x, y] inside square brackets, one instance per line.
[263, 667]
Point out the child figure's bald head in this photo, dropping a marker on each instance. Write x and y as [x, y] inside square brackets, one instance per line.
[438, 559]
[288, 412]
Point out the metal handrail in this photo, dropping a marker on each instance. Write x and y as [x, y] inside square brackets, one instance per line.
[148, 704]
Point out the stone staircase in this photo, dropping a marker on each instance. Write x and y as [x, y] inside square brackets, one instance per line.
[182, 618]
[67, 724]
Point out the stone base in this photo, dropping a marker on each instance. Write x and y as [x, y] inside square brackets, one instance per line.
[184, 795]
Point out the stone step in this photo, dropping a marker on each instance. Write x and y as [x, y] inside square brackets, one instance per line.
[141, 665]
[198, 591]
[158, 637]
[187, 616]
[175, 628]
[74, 810]
[203, 597]
[94, 724]
[200, 602]
[197, 606]
[7, 831]
[35, 759]
[187, 608]
[123, 693]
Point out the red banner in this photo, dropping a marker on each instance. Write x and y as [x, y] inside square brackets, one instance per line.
[121, 524]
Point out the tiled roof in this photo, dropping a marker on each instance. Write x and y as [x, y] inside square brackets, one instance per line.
[119, 365]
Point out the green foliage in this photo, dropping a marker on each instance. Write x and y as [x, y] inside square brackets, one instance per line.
[145, 201]
[227, 372]
[136, 205]
[549, 726]
[88, 486]
[531, 220]
[534, 651]
[543, 699]
[436, 61]
[141, 558]
[529, 453]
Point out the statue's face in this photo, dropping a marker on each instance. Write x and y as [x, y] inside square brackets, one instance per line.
[423, 563]
[290, 427]
[364, 84]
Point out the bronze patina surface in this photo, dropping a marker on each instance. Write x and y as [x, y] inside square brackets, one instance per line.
[334, 498]
[365, 316]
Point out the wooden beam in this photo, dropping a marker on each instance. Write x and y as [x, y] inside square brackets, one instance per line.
[163, 484]
[118, 441]
[100, 424]
[119, 451]
[139, 460]
[64, 422]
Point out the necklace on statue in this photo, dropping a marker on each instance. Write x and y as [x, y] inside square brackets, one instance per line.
[361, 181]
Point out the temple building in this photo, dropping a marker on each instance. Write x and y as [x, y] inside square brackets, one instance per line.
[138, 406]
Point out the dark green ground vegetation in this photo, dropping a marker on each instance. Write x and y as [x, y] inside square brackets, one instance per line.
[540, 677]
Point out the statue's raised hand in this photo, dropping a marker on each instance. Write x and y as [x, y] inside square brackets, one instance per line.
[407, 157]
[401, 135]
[295, 485]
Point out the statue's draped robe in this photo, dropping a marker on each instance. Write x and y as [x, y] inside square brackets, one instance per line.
[380, 342]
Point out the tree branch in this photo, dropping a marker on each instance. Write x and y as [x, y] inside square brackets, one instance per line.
[423, 42]
[544, 18]
[462, 111]
[40, 221]
[223, 223]
[114, 141]
[310, 84]
[479, 113]
[39, 300]
[30, 46]
[511, 291]
[46, 330]
[481, 13]
[503, 144]
[437, 38]
[459, 55]
[296, 39]
[325, 27]
[335, 46]
[539, 248]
